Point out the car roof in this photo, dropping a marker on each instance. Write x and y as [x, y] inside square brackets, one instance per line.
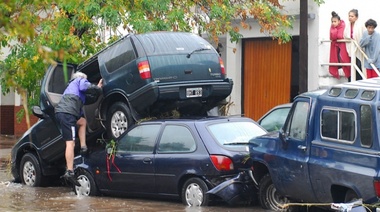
[196, 119]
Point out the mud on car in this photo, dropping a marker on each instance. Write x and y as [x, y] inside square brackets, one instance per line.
[143, 75]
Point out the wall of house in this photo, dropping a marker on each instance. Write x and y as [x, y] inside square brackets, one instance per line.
[10, 104]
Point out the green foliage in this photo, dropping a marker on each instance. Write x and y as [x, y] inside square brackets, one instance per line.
[40, 32]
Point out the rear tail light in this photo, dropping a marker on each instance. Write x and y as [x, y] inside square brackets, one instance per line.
[144, 69]
[376, 184]
[222, 66]
[222, 163]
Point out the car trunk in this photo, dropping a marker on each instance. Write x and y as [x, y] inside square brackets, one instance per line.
[177, 68]
[176, 57]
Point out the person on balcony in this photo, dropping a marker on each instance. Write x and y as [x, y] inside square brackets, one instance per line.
[354, 31]
[371, 44]
[338, 51]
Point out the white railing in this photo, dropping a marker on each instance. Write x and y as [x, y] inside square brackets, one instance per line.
[353, 65]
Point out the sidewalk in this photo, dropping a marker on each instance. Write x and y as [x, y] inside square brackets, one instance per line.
[7, 141]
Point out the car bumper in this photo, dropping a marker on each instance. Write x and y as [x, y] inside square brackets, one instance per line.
[237, 189]
[154, 93]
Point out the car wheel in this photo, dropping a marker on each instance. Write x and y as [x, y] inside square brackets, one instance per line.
[88, 186]
[350, 196]
[268, 195]
[194, 192]
[30, 170]
[118, 119]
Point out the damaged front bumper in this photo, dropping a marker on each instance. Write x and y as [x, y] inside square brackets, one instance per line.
[241, 188]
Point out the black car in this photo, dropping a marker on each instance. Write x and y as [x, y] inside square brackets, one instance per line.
[179, 158]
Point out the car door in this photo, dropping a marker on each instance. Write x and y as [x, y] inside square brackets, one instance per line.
[292, 164]
[177, 154]
[47, 135]
[132, 169]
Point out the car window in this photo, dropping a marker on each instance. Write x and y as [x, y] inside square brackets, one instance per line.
[140, 139]
[275, 119]
[176, 139]
[338, 124]
[298, 125]
[118, 56]
[57, 82]
[228, 133]
[173, 43]
[366, 125]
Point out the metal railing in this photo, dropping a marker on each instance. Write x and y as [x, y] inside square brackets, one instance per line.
[353, 65]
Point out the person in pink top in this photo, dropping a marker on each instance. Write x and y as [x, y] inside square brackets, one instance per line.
[338, 51]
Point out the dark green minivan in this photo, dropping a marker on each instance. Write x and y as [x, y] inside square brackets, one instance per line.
[147, 74]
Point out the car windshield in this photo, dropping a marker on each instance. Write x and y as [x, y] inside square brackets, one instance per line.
[232, 133]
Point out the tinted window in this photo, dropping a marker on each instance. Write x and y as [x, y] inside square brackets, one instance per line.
[366, 125]
[57, 83]
[235, 132]
[176, 139]
[173, 43]
[338, 125]
[119, 55]
[140, 139]
[298, 125]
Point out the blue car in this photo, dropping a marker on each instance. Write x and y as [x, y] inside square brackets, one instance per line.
[180, 158]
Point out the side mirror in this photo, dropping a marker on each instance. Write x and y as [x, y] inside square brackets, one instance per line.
[283, 138]
[36, 110]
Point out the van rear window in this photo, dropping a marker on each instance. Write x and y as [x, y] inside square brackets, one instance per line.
[173, 43]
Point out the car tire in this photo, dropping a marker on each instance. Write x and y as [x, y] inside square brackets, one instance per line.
[88, 186]
[118, 119]
[30, 170]
[194, 192]
[268, 196]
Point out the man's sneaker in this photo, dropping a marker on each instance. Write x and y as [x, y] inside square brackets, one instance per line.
[83, 151]
[70, 176]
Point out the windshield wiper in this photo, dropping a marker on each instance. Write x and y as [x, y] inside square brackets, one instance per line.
[198, 50]
[235, 142]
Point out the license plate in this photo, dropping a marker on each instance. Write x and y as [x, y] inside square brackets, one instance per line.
[193, 92]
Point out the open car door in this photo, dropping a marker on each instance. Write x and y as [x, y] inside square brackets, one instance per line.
[47, 135]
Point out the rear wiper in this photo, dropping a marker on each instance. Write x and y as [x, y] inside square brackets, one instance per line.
[198, 50]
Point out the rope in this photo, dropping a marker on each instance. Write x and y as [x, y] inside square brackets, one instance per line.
[366, 206]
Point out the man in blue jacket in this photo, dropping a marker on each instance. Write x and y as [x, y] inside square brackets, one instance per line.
[69, 115]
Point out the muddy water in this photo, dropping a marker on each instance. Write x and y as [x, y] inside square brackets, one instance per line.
[18, 197]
